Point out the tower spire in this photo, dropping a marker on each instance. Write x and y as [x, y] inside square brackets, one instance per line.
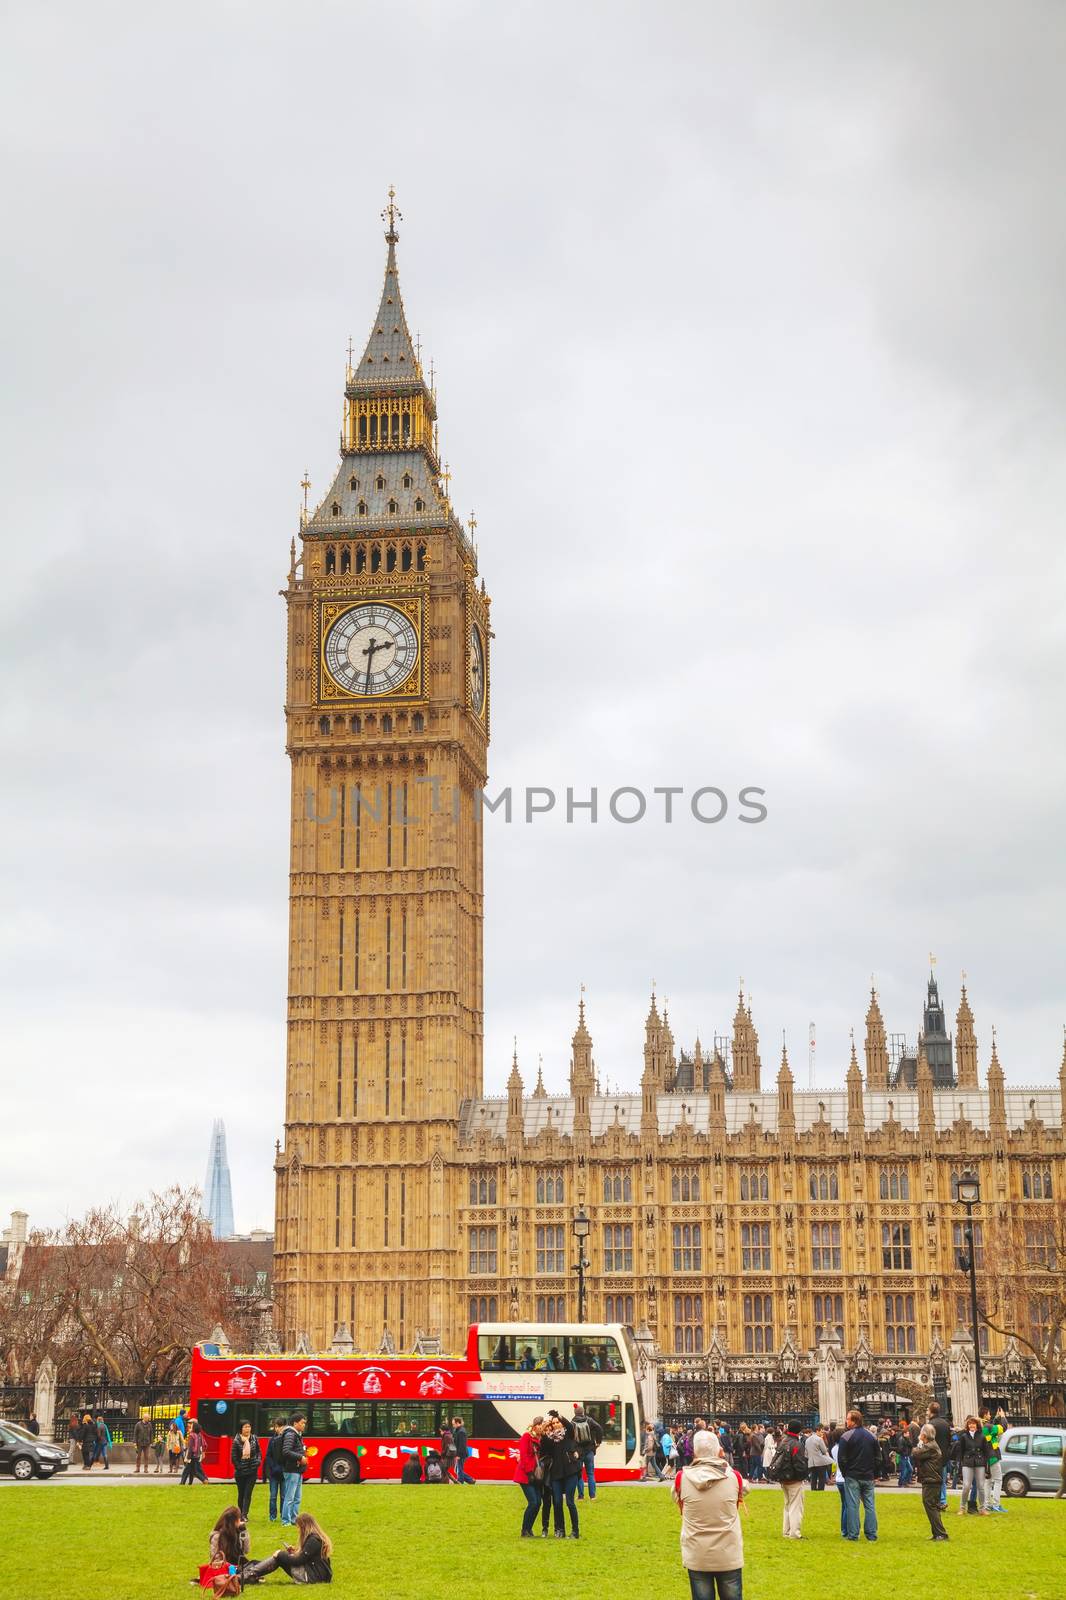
[392, 214]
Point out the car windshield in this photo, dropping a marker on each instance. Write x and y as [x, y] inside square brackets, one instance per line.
[20, 1433]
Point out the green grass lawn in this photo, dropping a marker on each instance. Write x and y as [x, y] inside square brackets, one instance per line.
[145, 1542]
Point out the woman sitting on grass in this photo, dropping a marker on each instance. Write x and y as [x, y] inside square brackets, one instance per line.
[308, 1563]
[228, 1548]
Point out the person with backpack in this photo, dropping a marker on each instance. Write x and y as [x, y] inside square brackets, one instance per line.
[588, 1436]
[858, 1461]
[447, 1449]
[789, 1469]
[435, 1470]
[273, 1471]
[195, 1444]
[709, 1494]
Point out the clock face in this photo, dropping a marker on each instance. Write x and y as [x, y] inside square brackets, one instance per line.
[371, 649]
[477, 672]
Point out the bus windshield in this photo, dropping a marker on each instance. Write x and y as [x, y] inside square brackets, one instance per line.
[544, 1352]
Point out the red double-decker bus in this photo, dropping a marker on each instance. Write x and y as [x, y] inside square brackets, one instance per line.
[365, 1414]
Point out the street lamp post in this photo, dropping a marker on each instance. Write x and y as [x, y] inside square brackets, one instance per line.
[581, 1227]
[969, 1194]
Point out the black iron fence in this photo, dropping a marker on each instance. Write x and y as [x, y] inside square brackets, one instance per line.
[755, 1397]
[1026, 1401]
[120, 1405]
[16, 1402]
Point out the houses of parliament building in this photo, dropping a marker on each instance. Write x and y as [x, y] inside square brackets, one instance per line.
[729, 1211]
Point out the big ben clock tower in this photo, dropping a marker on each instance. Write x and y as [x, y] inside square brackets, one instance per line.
[387, 717]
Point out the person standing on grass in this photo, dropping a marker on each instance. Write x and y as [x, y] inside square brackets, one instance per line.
[973, 1458]
[993, 1431]
[564, 1466]
[462, 1451]
[142, 1439]
[526, 1475]
[273, 1471]
[588, 1436]
[709, 1494]
[942, 1429]
[650, 1447]
[194, 1455]
[834, 1451]
[769, 1449]
[859, 1458]
[293, 1461]
[904, 1446]
[928, 1464]
[789, 1469]
[247, 1458]
[819, 1460]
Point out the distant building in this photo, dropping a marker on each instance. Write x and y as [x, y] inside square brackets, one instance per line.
[218, 1191]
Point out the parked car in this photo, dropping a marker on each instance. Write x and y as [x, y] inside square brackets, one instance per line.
[24, 1455]
[1032, 1459]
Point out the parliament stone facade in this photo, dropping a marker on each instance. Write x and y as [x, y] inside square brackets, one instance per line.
[732, 1215]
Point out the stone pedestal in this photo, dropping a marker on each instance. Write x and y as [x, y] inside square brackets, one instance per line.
[831, 1378]
[962, 1380]
[44, 1397]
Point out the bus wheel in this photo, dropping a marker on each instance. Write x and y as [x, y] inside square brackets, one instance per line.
[340, 1467]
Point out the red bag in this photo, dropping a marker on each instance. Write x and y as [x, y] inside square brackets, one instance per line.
[209, 1573]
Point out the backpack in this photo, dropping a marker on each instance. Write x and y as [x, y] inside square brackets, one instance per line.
[582, 1432]
[434, 1472]
[786, 1466]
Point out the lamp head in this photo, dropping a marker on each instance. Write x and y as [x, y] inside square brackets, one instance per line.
[969, 1189]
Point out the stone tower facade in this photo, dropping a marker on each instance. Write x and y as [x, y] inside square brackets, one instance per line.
[739, 1219]
[387, 717]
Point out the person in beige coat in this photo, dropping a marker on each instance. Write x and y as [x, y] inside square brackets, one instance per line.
[708, 1493]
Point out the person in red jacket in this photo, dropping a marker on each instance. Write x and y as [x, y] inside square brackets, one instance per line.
[525, 1475]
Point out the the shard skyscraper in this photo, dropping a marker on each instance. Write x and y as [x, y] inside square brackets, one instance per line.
[218, 1192]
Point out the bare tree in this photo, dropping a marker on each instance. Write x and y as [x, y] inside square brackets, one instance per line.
[1024, 1282]
[126, 1295]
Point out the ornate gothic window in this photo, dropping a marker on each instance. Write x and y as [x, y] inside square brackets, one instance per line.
[618, 1308]
[482, 1308]
[688, 1324]
[823, 1184]
[755, 1246]
[407, 480]
[894, 1183]
[617, 1247]
[758, 1324]
[900, 1332]
[1040, 1249]
[825, 1246]
[551, 1308]
[684, 1184]
[551, 1190]
[551, 1249]
[353, 482]
[754, 1183]
[483, 1188]
[958, 1243]
[829, 1316]
[617, 1186]
[418, 723]
[361, 508]
[393, 507]
[420, 504]
[482, 1250]
[688, 1247]
[896, 1255]
[1036, 1183]
[380, 481]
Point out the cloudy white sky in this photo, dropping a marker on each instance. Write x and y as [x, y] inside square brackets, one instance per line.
[750, 343]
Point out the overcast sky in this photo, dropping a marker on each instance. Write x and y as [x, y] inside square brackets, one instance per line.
[749, 335]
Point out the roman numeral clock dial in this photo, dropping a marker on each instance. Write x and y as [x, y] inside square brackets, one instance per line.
[371, 650]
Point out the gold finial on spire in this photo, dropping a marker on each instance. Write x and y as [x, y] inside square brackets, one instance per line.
[305, 485]
[472, 525]
[392, 214]
[351, 352]
[932, 959]
[446, 479]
